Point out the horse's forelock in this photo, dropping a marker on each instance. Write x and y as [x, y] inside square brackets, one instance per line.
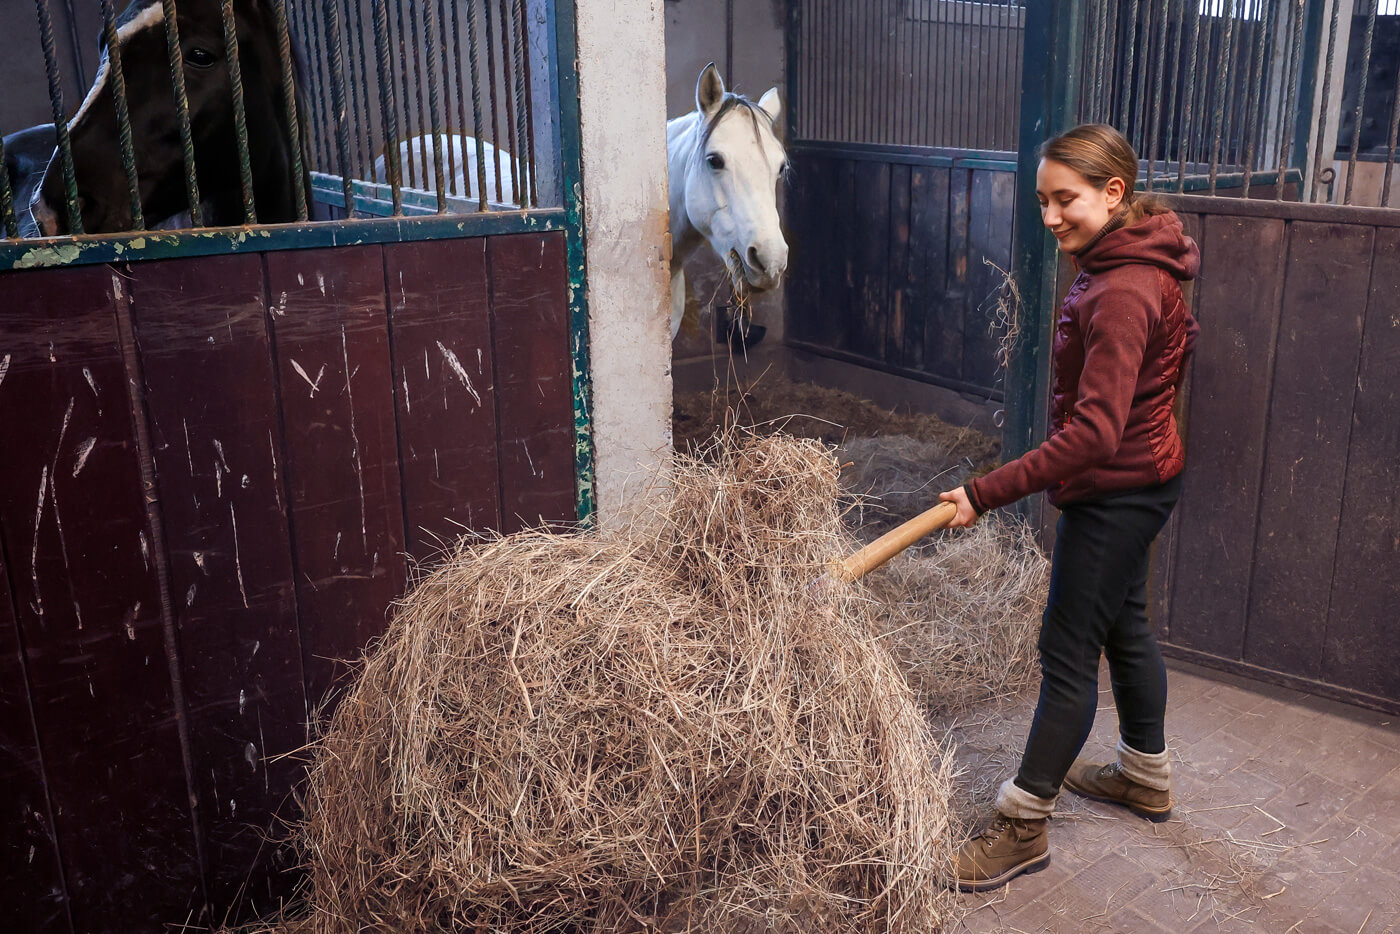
[731, 102]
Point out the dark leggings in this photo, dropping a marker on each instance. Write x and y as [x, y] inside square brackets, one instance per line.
[1098, 604]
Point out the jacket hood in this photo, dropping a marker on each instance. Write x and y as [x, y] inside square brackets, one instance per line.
[1157, 240]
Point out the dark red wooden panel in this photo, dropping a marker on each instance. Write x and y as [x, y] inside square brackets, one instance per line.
[838, 306]
[85, 593]
[928, 273]
[804, 268]
[1319, 342]
[896, 349]
[341, 468]
[445, 380]
[989, 238]
[1237, 302]
[870, 236]
[214, 420]
[534, 394]
[946, 353]
[1361, 650]
[32, 896]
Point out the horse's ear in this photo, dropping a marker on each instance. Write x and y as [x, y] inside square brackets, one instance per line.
[709, 90]
[771, 104]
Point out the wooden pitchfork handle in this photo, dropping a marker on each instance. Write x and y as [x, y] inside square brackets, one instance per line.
[892, 543]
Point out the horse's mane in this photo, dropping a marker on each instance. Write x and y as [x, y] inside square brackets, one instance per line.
[731, 102]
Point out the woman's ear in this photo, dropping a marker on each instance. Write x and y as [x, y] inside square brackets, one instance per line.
[1113, 193]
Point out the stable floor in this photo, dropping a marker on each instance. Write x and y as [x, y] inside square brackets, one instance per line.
[1287, 819]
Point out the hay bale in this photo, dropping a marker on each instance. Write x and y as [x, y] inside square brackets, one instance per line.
[893, 478]
[662, 728]
[962, 614]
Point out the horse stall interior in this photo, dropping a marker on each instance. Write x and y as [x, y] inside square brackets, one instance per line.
[228, 450]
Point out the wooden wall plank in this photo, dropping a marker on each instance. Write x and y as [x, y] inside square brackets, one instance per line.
[896, 350]
[928, 271]
[1361, 651]
[33, 896]
[1237, 302]
[947, 357]
[341, 464]
[1319, 342]
[534, 398]
[840, 300]
[799, 212]
[870, 238]
[445, 386]
[212, 398]
[85, 593]
[989, 238]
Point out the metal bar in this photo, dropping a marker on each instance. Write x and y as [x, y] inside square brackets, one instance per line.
[1361, 99]
[1221, 83]
[477, 129]
[76, 43]
[119, 101]
[320, 118]
[1189, 99]
[1139, 120]
[358, 89]
[7, 198]
[1256, 78]
[1229, 149]
[1099, 34]
[60, 117]
[435, 103]
[1390, 146]
[522, 147]
[1306, 88]
[1326, 99]
[491, 88]
[508, 92]
[531, 186]
[404, 41]
[387, 104]
[415, 38]
[440, 43]
[1172, 84]
[337, 70]
[290, 106]
[240, 114]
[1128, 72]
[1155, 111]
[182, 109]
[1106, 114]
[461, 91]
[367, 128]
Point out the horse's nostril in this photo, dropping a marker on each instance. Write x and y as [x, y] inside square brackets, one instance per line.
[755, 263]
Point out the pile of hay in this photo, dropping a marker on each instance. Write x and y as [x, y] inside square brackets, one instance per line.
[962, 613]
[893, 478]
[662, 728]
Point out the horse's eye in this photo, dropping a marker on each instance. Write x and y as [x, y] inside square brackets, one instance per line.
[200, 58]
[715, 160]
[785, 166]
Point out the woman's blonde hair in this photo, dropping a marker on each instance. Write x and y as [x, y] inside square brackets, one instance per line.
[1099, 152]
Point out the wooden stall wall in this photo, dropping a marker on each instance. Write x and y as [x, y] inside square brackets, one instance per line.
[218, 473]
[1280, 561]
[887, 261]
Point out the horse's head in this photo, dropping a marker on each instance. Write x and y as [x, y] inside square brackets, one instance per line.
[103, 191]
[731, 183]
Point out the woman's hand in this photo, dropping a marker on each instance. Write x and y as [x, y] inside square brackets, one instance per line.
[966, 514]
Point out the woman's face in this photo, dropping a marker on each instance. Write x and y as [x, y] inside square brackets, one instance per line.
[1071, 207]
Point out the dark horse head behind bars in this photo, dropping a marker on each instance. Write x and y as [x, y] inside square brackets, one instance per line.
[103, 191]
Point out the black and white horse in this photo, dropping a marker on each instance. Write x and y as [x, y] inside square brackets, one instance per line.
[103, 189]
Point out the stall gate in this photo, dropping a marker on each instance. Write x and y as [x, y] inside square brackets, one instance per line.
[227, 451]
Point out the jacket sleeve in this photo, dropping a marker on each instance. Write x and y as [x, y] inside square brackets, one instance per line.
[1115, 338]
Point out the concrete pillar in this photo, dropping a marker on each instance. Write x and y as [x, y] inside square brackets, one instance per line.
[622, 104]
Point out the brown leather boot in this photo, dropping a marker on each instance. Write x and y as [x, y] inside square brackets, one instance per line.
[1001, 852]
[1108, 783]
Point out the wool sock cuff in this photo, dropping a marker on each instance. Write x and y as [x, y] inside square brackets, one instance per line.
[1152, 770]
[1015, 801]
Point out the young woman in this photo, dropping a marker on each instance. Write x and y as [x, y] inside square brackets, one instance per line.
[1112, 465]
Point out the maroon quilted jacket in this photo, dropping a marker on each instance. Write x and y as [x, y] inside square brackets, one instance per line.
[1122, 340]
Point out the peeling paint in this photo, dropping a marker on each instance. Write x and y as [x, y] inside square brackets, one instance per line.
[237, 559]
[4, 367]
[84, 449]
[460, 370]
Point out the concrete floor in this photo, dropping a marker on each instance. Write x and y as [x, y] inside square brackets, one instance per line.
[1287, 819]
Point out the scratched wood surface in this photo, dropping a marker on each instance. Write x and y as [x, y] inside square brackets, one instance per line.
[299, 454]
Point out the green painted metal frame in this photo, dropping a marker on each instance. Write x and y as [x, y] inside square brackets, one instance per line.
[1049, 101]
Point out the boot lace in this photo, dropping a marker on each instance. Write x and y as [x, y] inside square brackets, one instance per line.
[1112, 770]
[995, 829]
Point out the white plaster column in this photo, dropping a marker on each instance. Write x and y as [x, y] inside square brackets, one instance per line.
[622, 103]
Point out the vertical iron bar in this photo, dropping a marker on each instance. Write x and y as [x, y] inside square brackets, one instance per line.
[415, 38]
[1256, 78]
[508, 91]
[1154, 113]
[119, 101]
[387, 104]
[1128, 72]
[1228, 150]
[367, 130]
[866, 100]
[1139, 120]
[320, 143]
[1186, 129]
[240, 115]
[182, 109]
[452, 142]
[399, 41]
[531, 189]
[60, 116]
[477, 130]
[927, 130]
[495, 109]
[1361, 99]
[76, 43]
[1321, 143]
[522, 147]
[290, 106]
[1110, 65]
[1172, 85]
[342, 128]
[357, 89]
[434, 104]
[461, 94]
[1390, 146]
[1288, 24]
[1221, 84]
[1101, 40]
[7, 198]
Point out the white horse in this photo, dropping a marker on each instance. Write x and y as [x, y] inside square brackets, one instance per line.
[724, 163]
[459, 166]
